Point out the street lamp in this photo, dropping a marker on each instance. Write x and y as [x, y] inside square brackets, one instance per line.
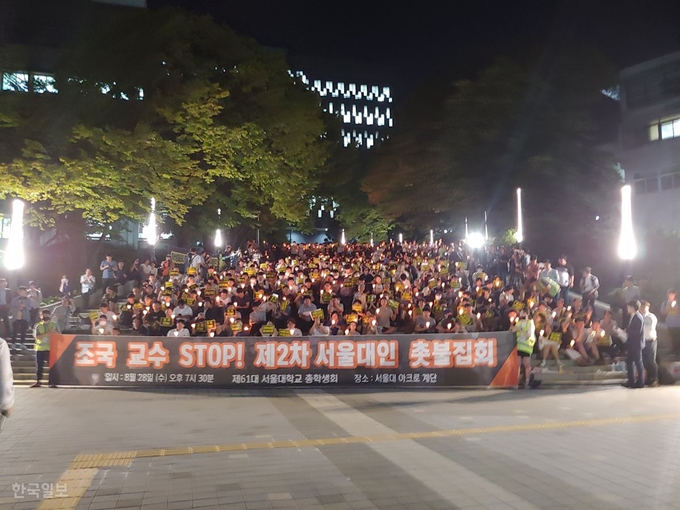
[431, 237]
[151, 230]
[401, 238]
[218, 232]
[342, 237]
[627, 244]
[519, 235]
[371, 239]
[14, 254]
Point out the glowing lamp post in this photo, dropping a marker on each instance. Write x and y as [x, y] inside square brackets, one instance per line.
[627, 244]
[431, 237]
[401, 238]
[342, 237]
[371, 239]
[14, 254]
[151, 229]
[519, 236]
[218, 238]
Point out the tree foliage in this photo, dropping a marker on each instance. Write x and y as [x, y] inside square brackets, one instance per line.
[221, 124]
[467, 146]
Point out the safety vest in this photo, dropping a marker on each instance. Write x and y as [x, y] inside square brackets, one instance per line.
[526, 337]
[40, 329]
[548, 285]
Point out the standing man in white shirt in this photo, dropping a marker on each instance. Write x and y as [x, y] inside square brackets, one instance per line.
[649, 351]
[590, 285]
[87, 283]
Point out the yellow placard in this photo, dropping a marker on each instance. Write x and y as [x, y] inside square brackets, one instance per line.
[177, 257]
[284, 332]
[211, 324]
[166, 321]
[191, 271]
[357, 307]
[318, 313]
[268, 329]
[174, 272]
[236, 326]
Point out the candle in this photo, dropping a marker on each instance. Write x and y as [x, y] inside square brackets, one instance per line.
[448, 326]
[176, 333]
[479, 316]
[101, 331]
[542, 332]
[427, 325]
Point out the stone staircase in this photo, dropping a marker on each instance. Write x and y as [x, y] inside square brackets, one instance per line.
[574, 375]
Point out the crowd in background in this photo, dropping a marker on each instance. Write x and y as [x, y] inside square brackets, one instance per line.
[358, 289]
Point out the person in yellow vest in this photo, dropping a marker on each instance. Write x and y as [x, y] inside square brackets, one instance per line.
[43, 332]
[525, 331]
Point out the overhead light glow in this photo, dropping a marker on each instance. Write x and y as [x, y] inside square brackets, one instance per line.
[342, 237]
[401, 238]
[431, 237]
[627, 244]
[475, 240]
[218, 238]
[14, 253]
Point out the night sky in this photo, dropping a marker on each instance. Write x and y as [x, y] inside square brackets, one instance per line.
[418, 39]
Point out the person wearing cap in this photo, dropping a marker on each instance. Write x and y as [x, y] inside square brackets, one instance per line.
[43, 332]
[635, 344]
[179, 330]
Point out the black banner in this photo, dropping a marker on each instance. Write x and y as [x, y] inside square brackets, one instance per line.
[474, 359]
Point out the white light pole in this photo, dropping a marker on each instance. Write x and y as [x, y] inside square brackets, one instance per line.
[627, 244]
[466, 228]
[218, 232]
[401, 238]
[486, 227]
[431, 237]
[519, 236]
[342, 237]
[371, 239]
[14, 254]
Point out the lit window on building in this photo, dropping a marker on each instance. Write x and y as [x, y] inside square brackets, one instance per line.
[15, 82]
[43, 83]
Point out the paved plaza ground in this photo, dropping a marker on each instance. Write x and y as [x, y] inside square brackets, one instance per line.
[582, 448]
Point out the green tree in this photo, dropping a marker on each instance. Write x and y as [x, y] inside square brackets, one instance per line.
[472, 143]
[221, 124]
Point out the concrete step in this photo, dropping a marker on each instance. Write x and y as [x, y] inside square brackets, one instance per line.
[28, 376]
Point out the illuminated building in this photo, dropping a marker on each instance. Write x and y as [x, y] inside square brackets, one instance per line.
[650, 140]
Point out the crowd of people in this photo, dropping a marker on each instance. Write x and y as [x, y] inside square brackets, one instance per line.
[349, 290]
[356, 289]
